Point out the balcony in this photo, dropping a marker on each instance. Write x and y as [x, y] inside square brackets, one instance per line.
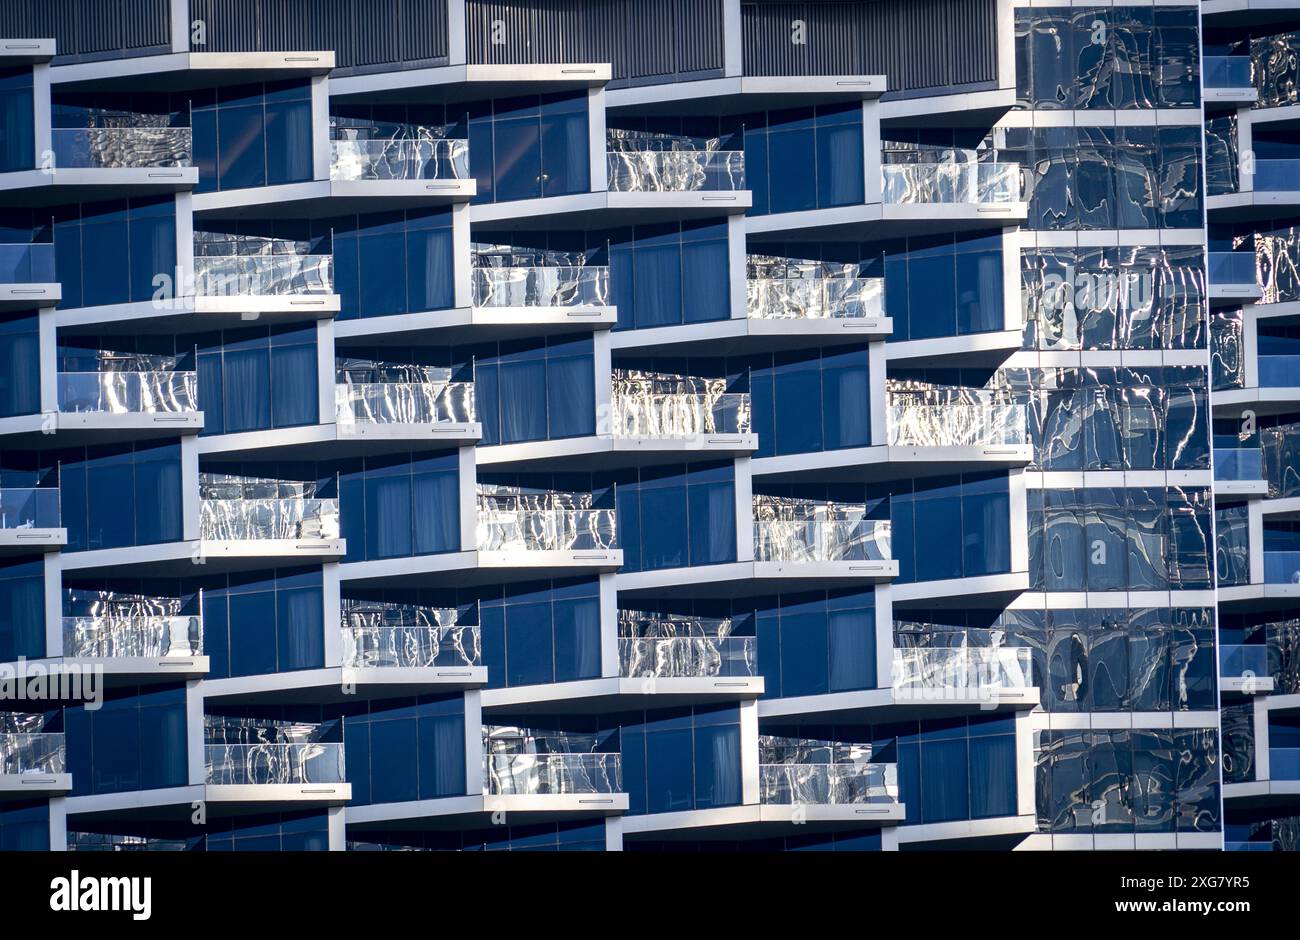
[688, 657]
[1232, 277]
[30, 521]
[120, 636]
[828, 784]
[244, 520]
[675, 171]
[400, 409]
[981, 668]
[265, 275]
[546, 529]
[552, 774]
[274, 764]
[1244, 668]
[1277, 176]
[1282, 567]
[541, 286]
[824, 534]
[1227, 80]
[32, 764]
[815, 298]
[399, 159]
[27, 277]
[122, 147]
[651, 406]
[1239, 472]
[959, 423]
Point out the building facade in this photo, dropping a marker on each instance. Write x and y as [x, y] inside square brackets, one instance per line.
[705, 425]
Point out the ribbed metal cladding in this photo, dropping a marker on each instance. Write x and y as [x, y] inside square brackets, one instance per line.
[90, 29]
[916, 43]
[364, 34]
[641, 39]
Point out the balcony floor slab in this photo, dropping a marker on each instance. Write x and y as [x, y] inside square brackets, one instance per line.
[751, 578]
[603, 452]
[336, 684]
[744, 335]
[472, 324]
[761, 821]
[874, 706]
[612, 695]
[481, 811]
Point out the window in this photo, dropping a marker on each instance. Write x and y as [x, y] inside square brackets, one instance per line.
[535, 389]
[20, 364]
[17, 120]
[111, 252]
[949, 527]
[777, 166]
[537, 632]
[789, 388]
[681, 759]
[252, 135]
[673, 516]
[263, 622]
[528, 147]
[400, 505]
[397, 751]
[120, 494]
[392, 262]
[22, 610]
[134, 741]
[812, 644]
[258, 378]
[670, 273]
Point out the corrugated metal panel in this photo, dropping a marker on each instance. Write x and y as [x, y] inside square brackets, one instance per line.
[361, 33]
[917, 44]
[640, 39]
[90, 29]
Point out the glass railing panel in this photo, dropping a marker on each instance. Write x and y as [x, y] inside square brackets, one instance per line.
[552, 286]
[827, 784]
[675, 171]
[637, 412]
[965, 667]
[27, 263]
[1237, 659]
[815, 298]
[1282, 567]
[1279, 371]
[32, 753]
[122, 147]
[1226, 71]
[29, 508]
[262, 275]
[1238, 463]
[959, 183]
[412, 647]
[957, 424]
[403, 159]
[238, 519]
[128, 392]
[688, 656]
[818, 540]
[1248, 846]
[273, 763]
[106, 637]
[404, 402]
[1231, 267]
[546, 530]
[1284, 763]
[1272, 176]
[553, 773]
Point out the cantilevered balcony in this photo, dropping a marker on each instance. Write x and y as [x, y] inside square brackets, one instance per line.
[369, 171]
[1232, 277]
[1227, 80]
[815, 298]
[30, 520]
[531, 763]
[27, 277]
[1273, 190]
[92, 163]
[809, 533]
[687, 657]
[33, 764]
[109, 403]
[1239, 473]
[946, 429]
[123, 147]
[241, 274]
[274, 764]
[527, 288]
[652, 411]
[252, 518]
[1245, 669]
[672, 177]
[832, 784]
[388, 644]
[928, 673]
[555, 532]
[437, 409]
[131, 642]
[257, 763]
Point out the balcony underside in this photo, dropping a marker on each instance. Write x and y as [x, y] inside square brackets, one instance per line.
[752, 578]
[481, 811]
[1275, 795]
[744, 335]
[874, 706]
[120, 671]
[200, 314]
[37, 188]
[1251, 597]
[1247, 12]
[176, 804]
[1250, 206]
[869, 464]
[472, 324]
[984, 591]
[29, 296]
[177, 559]
[743, 94]
[14, 787]
[183, 71]
[475, 82]
[470, 568]
[603, 452]
[31, 541]
[96, 427]
[613, 695]
[1262, 401]
[974, 350]
[761, 821]
[343, 684]
[873, 221]
[331, 441]
[1234, 295]
[998, 834]
[317, 199]
[980, 109]
[607, 210]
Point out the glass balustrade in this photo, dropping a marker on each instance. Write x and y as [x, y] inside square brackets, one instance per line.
[688, 656]
[1238, 463]
[404, 402]
[27, 263]
[262, 274]
[527, 774]
[29, 508]
[410, 647]
[122, 147]
[675, 171]
[400, 159]
[963, 667]
[1274, 176]
[1226, 71]
[956, 424]
[274, 763]
[1282, 567]
[976, 183]
[1238, 659]
[1279, 371]
[546, 529]
[111, 636]
[128, 392]
[828, 784]
[815, 298]
[537, 286]
[268, 518]
[821, 539]
[32, 753]
[1231, 267]
[1284, 763]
